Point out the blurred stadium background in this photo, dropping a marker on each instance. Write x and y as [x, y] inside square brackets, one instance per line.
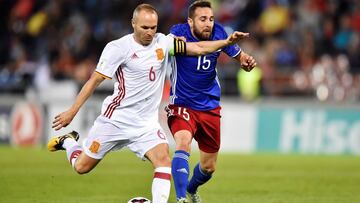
[303, 98]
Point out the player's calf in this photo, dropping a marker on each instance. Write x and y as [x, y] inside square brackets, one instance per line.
[159, 157]
[199, 178]
[84, 164]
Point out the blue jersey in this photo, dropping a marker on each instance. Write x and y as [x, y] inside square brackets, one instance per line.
[194, 82]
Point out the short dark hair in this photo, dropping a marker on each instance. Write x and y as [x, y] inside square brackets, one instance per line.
[198, 4]
[147, 7]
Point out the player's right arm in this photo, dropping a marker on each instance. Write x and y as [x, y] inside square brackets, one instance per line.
[206, 47]
[64, 118]
[109, 61]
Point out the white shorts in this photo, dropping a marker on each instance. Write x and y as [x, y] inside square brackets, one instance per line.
[105, 136]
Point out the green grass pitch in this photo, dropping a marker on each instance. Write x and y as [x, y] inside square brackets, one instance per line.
[35, 175]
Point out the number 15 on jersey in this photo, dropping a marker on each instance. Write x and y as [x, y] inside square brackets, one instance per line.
[203, 63]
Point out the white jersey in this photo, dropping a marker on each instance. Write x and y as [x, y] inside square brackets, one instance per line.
[139, 72]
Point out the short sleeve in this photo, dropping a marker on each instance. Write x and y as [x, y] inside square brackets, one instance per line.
[232, 50]
[110, 60]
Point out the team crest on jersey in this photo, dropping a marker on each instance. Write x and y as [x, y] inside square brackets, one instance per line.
[94, 148]
[160, 54]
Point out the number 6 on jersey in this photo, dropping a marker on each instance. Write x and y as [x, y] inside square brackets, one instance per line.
[152, 74]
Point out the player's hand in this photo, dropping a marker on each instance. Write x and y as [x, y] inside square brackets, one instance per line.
[62, 120]
[236, 37]
[247, 62]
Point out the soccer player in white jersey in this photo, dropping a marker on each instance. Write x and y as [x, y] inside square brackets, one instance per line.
[129, 117]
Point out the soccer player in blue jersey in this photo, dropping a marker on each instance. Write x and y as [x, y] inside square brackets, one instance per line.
[194, 109]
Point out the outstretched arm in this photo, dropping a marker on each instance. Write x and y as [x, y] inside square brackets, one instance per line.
[64, 118]
[206, 47]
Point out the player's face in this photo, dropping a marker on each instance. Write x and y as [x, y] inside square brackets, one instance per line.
[202, 23]
[145, 25]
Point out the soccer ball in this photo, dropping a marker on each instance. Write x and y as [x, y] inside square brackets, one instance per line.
[139, 200]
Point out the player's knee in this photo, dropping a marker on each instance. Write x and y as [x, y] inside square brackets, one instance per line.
[82, 169]
[209, 168]
[164, 160]
[183, 141]
[185, 146]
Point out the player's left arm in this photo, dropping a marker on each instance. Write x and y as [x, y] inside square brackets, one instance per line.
[206, 47]
[247, 62]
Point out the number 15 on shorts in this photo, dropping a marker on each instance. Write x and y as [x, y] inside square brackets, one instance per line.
[182, 112]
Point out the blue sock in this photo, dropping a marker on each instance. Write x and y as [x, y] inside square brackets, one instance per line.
[199, 177]
[180, 172]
